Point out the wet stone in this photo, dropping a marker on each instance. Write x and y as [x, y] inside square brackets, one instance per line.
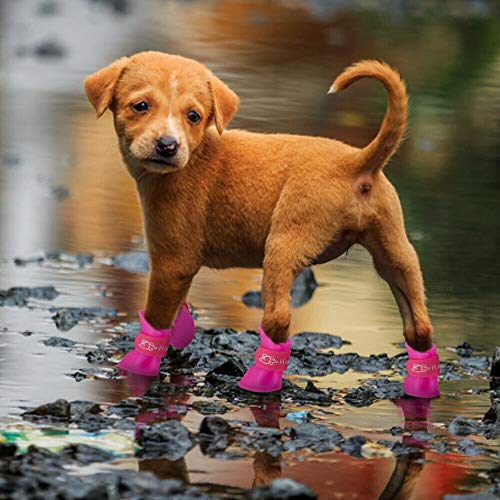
[317, 438]
[94, 423]
[262, 439]
[19, 296]
[97, 357]
[282, 489]
[215, 434]
[133, 262]
[125, 408]
[7, 450]
[353, 445]
[463, 426]
[57, 411]
[84, 454]
[209, 408]
[39, 473]
[302, 291]
[78, 408]
[468, 447]
[313, 340]
[60, 342]
[66, 318]
[464, 350]
[91, 373]
[170, 440]
[362, 396]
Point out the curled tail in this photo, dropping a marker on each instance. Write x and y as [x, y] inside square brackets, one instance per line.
[374, 156]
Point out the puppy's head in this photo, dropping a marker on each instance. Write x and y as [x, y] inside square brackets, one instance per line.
[162, 105]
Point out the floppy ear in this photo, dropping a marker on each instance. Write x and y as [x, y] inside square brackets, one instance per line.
[100, 86]
[225, 103]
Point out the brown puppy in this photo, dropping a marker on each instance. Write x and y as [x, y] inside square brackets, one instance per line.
[240, 199]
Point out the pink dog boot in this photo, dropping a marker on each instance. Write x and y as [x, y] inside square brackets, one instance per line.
[149, 347]
[183, 329]
[423, 372]
[271, 360]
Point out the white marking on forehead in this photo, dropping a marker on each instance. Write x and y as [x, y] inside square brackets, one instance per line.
[173, 130]
[173, 86]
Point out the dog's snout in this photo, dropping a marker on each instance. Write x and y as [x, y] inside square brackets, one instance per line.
[166, 146]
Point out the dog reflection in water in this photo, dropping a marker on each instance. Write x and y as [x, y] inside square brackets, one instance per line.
[267, 468]
[404, 478]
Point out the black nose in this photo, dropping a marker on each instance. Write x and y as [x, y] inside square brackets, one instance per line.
[166, 146]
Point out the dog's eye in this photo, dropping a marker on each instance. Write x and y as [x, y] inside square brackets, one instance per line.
[193, 117]
[140, 107]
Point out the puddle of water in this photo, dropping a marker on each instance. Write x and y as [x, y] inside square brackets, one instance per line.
[280, 58]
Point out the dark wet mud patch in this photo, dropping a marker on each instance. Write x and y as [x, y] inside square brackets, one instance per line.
[20, 296]
[57, 258]
[40, 473]
[66, 318]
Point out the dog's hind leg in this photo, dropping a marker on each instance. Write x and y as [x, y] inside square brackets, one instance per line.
[396, 261]
[288, 251]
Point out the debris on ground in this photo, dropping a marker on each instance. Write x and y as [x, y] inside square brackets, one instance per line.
[19, 296]
[134, 262]
[66, 318]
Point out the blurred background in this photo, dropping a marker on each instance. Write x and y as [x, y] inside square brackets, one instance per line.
[57, 161]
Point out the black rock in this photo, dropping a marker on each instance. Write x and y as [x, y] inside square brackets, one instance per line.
[465, 350]
[66, 318]
[396, 430]
[463, 426]
[302, 291]
[495, 370]
[18, 261]
[263, 439]
[50, 49]
[353, 445]
[309, 341]
[97, 357]
[317, 438]
[95, 423]
[84, 454]
[125, 408]
[468, 447]
[282, 489]
[18, 296]
[79, 408]
[81, 259]
[209, 407]
[215, 433]
[7, 450]
[57, 411]
[213, 426]
[60, 342]
[362, 396]
[133, 262]
[170, 440]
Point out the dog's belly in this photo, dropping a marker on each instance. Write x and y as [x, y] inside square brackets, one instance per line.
[333, 250]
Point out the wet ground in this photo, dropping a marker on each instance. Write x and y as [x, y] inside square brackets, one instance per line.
[68, 208]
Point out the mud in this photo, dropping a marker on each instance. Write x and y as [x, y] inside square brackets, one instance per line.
[133, 262]
[57, 258]
[20, 296]
[66, 318]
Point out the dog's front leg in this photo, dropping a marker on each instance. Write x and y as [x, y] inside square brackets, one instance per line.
[166, 319]
[167, 290]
